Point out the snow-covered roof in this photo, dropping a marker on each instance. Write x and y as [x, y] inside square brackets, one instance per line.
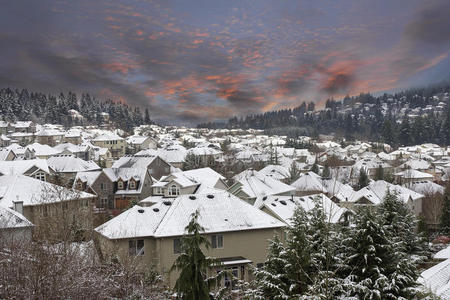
[443, 254]
[309, 181]
[437, 279]
[415, 164]
[88, 177]
[42, 150]
[133, 162]
[22, 166]
[11, 219]
[255, 185]
[107, 137]
[219, 212]
[71, 164]
[34, 192]
[275, 171]
[284, 206]
[425, 187]
[414, 174]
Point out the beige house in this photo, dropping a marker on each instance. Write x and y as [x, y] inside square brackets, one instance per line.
[137, 143]
[14, 227]
[46, 205]
[239, 234]
[113, 142]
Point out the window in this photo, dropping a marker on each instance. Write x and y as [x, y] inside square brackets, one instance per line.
[65, 205]
[79, 185]
[120, 185]
[103, 186]
[132, 185]
[174, 190]
[231, 281]
[158, 191]
[176, 246]
[217, 241]
[136, 247]
[103, 202]
[150, 171]
[40, 176]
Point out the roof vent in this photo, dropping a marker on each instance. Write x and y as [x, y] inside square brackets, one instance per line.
[192, 197]
[140, 210]
[273, 204]
[156, 209]
[264, 198]
[226, 220]
[210, 196]
[168, 203]
[283, 202]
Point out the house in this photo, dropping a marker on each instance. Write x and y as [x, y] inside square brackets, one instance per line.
[189, 182]
[23, 126]
[73, 137]
[66, 167]
[42, 151]
[99, 184]
[131, 185]
[137, 143]
[174, 156]
[156, 166]
[4, 141]
[83, 151]
[34, 168]
[113, 142]
[283, 207]
[7, 154]
[206, 155]
[51, 137]
[239, 233]
[46, 205]
[14, 227]
[22, 138]
[374, 193]
[308, 183]
[277, 172]
[409, 175]
[252, 185]
[21, 153]
[337, 191]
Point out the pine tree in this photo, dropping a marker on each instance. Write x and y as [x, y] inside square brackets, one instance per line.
[271, 280]
[294, 172]
[326, 172]
[369, 258]
[363, 180]
[379, 174]
[147, 117]
[315, 168]
[445, 217]
[193, 282]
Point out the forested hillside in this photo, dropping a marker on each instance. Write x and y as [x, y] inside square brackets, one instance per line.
[410, 117]
[22, 105]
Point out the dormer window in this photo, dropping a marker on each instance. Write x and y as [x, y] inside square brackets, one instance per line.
[132, 185]
[174, 190]
[120, 185]
[79, 185]
[40, 176]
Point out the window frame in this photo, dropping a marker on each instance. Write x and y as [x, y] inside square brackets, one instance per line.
[215, 244]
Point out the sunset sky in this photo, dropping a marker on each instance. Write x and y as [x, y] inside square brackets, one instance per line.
[196, 61]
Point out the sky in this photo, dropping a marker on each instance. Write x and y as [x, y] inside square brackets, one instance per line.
[193, 61]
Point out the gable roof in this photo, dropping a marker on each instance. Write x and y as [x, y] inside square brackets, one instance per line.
[33, 192]
[254, 185]
[309, 181]
[9, 218]
[437, 279]
[71, 164]
[284, 206]
[221, 213]
[22, 166]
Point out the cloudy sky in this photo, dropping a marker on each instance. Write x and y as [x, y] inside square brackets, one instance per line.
[193, 61]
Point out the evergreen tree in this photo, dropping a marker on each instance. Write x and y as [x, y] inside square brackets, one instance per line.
[147, 117]
[294, 172]
[315, 168]
[193, 282]
[191, 162]
[363, 180]
[379, 174]
[445, 217]
[326, 172]
[370, 258]
[271, 280]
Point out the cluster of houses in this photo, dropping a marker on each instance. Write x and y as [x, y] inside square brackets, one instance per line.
[140, 190]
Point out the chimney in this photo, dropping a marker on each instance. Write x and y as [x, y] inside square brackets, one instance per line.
[18, 205]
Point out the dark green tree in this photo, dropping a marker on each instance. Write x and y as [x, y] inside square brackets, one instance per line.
[193, 282]
[379, 174]
[363, 180]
